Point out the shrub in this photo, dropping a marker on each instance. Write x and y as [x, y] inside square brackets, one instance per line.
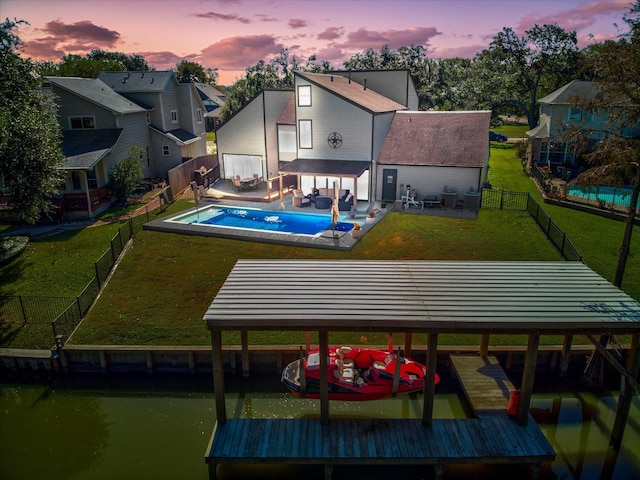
[12, 247]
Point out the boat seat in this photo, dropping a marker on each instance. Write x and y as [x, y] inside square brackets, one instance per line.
[347, 374]
[379, 364]
[348, 362]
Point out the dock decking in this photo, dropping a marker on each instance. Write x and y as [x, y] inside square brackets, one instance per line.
[375, 441]
[484, 382]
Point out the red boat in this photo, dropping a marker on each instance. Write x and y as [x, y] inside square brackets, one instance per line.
[355, 374]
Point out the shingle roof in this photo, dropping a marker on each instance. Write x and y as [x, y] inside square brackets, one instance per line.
[123, 82]
[288, 115]
[353, 92]
[98, 92]
[84, 148]
[459, 139]
[567, 93]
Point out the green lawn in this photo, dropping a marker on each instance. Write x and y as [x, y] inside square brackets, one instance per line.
[164, 284]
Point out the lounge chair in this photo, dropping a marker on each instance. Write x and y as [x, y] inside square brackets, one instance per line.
[299, 200]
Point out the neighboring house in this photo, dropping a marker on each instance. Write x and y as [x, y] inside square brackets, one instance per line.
[434, 151]
[333, 128]
[213, 99]
[557, 110]
[98, 127]
[100, 123]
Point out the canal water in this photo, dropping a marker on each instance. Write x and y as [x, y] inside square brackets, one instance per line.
[96, 428]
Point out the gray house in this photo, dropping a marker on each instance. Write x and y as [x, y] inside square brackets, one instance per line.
[335, 127]
[101, 119]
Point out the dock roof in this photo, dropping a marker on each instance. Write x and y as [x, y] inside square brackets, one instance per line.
[421, 296]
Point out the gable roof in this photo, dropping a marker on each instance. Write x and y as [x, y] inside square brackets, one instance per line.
[353, 92]
[451, 139]
[567, 93]
[129, 82]
[97, 92]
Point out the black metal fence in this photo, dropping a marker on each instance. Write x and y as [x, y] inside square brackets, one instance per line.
[523, 201]
[37, 320]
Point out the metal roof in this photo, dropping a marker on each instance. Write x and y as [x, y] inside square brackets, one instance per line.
[421, 296]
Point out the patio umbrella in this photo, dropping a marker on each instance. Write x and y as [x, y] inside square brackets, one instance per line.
[335, 210]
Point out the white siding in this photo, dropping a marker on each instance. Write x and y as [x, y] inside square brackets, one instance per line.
[432, 180]
[330, 113]
[393, 84]
[274, 104]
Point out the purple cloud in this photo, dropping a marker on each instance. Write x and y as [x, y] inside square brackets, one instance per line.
[81, 32]
[362, 38]
[222, 16]
[238, 53]
[297, 23]
[331, 33]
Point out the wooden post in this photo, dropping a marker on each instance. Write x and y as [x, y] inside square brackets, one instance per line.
[396, 376]
[303, 377]
[430, 380]
[526, 388]
[218, 376]
[484, 345]
[626, 394]
[244, 341]
[408, 345]
[324, 381]
[281, 192]
[566, 354]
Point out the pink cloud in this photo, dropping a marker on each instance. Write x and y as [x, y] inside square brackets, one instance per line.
[467, 51]
[363, 38]
[580, 17]
[238, 53]
[297, 23]
[165, 60]
[331, 33]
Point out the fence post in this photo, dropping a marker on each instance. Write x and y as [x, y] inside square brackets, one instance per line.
[97, 273]
[501, 198]
[564, 236]
[79, 308]
[53, 327]
[24, 313]
[131, 232]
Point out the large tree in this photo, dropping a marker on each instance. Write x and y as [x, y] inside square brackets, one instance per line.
[615, 158]
[93, 64]
[30, 153]
[542, 60]
[187, 71]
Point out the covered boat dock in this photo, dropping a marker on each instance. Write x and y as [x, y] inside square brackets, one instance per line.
[432, 297]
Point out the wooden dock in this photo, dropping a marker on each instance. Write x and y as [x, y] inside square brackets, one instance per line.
[374, 441]
[484, 382]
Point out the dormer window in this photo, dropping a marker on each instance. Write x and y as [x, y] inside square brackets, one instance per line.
[82, 123]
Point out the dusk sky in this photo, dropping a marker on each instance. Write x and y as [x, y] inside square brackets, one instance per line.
[231, 35]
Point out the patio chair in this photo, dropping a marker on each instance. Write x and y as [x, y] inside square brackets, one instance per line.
[237, 184]
[299, 200]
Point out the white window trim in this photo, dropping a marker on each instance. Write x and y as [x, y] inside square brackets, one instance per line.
[304, 140]
[82, 118]
[174, 116]
[198, 115]
[304, 100]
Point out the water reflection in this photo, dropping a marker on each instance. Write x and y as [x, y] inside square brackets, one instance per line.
[159, 428]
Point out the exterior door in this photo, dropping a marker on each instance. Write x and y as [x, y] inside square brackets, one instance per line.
[389, 178]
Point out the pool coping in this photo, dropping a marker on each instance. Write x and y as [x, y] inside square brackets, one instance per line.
[326, 240]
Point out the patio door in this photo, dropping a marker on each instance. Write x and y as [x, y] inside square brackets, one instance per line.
[389, 179]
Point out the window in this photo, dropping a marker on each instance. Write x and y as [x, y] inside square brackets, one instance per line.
[304, 96]
[198, 115]
[174, 116]
[304, 128]
[79, 123]
[575, 113]
[165, 150]
[92, 180]
[148, 119]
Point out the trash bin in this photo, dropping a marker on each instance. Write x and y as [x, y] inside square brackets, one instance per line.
[514, 402]
[449, 199]
[472, 201]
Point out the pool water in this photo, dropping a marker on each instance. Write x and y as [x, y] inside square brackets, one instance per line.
[608, 195]
[264, 220]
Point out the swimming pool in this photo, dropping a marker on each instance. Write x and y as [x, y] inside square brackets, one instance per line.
[263, 220]
[607, 195]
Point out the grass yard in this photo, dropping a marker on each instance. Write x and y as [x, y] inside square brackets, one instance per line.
[164, 284]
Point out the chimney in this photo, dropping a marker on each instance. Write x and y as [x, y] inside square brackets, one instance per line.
[331, 78]
[365, 83]
[349, 77]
